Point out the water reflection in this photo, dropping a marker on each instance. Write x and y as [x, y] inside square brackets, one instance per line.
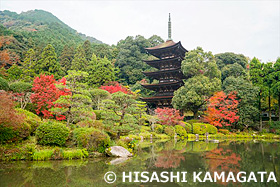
[158, 156]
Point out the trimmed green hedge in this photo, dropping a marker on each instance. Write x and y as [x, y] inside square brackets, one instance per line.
[169, 130]
[180, 131]
[188, 127]
[202, 128]
[52, 133]
[199, 128]
[211, 129]
[91, 138]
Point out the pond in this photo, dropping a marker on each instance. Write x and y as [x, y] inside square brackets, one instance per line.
[181, 156]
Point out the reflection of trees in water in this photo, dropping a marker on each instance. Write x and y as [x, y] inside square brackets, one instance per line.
[169, 159]
[222, 160]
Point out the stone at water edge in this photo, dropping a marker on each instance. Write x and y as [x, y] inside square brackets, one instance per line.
[118, 151]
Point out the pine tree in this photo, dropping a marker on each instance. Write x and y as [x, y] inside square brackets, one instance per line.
[79, 62]
[28, 71]
[66, 58]
[48, 63]
[100, 71]
[88, 50]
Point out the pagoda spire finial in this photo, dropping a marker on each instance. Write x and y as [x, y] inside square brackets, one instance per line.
[169, 28]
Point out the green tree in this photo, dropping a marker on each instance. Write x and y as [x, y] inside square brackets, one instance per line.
[66, 58]
[224, 59]
[194, 94]
[268, 70]
[130, 59]
[247, 94]
[100, 71]
[14, 72]
[77, 106]
[88, 50]
[121, 113]
[235, 70]
[48, 63]
[79, 62]
[203, 79]
[257, 76]
[97, 96]
[28, 65]
[276, 83]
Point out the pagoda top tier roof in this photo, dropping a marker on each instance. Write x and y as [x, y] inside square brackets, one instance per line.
[169, 45]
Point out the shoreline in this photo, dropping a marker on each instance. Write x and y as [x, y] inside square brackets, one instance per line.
[29, 151]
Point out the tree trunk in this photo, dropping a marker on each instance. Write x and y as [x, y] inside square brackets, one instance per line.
[195, 114]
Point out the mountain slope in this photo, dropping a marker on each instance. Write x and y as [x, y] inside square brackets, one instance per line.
[43, 28]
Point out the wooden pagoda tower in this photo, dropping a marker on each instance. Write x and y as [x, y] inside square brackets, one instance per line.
[169, 57]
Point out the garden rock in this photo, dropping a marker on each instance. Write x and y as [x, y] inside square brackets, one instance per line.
[118, 151]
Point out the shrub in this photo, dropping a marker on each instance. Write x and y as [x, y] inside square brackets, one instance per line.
[199, 128]
[158, 128]
[188, 127]
[211, 129]
[169, 130]
[13, 134]
[30, 118]
[224, 131]
[91, 123]
[12, 125]
[91, 138]
[52, 133]
[4, 84]
[181, 131]
[20, 87]
[97, 114]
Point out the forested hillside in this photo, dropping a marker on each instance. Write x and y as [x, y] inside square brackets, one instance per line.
[38, 27]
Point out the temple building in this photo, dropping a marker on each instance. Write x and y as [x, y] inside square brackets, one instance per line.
[169, 75]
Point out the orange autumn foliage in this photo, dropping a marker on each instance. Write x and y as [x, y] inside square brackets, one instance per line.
[222, 109]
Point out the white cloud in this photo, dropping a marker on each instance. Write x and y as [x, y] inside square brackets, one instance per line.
[248, 27]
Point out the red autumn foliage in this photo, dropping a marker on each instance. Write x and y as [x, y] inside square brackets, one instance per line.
[8, 115]
[169, 116]
[113, 87]
[7, 57]
[222, 109]
[46, 93]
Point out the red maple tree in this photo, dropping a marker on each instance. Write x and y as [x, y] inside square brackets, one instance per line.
[113, 87]
[46, 92]
[222, 109]
[169, 116]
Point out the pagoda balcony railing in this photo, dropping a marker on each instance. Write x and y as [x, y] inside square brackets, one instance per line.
[168, 80]
[164, 94]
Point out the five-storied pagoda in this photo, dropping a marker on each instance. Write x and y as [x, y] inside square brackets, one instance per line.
[169, 57]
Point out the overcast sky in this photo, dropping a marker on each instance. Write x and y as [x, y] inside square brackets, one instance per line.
[248, 27]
